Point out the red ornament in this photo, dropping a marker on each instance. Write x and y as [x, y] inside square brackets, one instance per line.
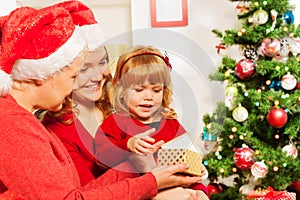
[298, 86]
[296, 185]
[214, 188]
[243, 158]
[245, 69]
[277, 117]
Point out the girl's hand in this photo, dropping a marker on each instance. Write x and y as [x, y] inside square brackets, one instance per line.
[142, 143]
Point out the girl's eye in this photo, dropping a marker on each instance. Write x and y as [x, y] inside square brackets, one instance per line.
[138, 89]
[157, 90]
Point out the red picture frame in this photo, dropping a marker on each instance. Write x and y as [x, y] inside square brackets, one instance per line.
[156, 22]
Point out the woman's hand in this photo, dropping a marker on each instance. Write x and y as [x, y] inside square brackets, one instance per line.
[142, 143]
[171, 176]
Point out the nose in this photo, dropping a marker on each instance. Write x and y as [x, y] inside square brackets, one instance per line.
[148, 96]
[99, 73]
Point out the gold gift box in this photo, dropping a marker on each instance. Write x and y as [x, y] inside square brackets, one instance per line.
[177, 156]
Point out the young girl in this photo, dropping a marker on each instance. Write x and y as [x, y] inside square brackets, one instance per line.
[141, 95]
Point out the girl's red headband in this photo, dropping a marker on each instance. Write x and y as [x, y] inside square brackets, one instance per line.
[165, 58]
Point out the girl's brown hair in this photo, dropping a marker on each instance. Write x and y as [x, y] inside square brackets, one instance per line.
[135, 66]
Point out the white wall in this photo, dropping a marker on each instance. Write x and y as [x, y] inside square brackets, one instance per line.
[6, 6]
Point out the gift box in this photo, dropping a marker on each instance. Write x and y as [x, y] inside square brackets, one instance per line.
[177, 156]
[182, 149]
[271, 194]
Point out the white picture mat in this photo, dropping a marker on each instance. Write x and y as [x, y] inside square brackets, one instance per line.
[169, 10]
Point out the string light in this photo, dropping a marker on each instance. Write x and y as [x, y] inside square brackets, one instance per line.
[259, 90]
[270, 162]
[208, 126]
[275, 168]
[231, 137]
[250, 20]
[234, 169]
[222, 170]
[234, 129]
[276, 136]
[284, 164]
[268, 82]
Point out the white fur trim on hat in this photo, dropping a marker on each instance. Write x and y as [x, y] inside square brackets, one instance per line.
[25, 69]
[94, 35]
[5, 83]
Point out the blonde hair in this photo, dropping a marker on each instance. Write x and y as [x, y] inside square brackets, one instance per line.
[102, 104]
[136, 65]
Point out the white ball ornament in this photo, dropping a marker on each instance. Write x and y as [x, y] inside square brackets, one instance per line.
[288, 82]
[260, 16]
[259, 169]
[240, 114]
[290, 150]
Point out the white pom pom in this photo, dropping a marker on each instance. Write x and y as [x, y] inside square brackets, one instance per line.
[5, 83]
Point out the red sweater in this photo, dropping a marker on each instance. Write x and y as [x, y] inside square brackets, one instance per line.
[35, 164]
[80, 145]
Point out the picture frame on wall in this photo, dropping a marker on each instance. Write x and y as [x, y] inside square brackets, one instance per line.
[169, 13]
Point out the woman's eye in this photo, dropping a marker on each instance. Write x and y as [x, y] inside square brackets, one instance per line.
[103, 62]
[83, 69]
[138, 89]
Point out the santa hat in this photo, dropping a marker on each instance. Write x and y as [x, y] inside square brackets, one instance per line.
[36, 44]
[85, 19]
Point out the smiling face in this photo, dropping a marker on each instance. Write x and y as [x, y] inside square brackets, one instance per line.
[89, 83]
[143, 101]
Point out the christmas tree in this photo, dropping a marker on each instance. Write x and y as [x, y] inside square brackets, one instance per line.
[258, 124]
